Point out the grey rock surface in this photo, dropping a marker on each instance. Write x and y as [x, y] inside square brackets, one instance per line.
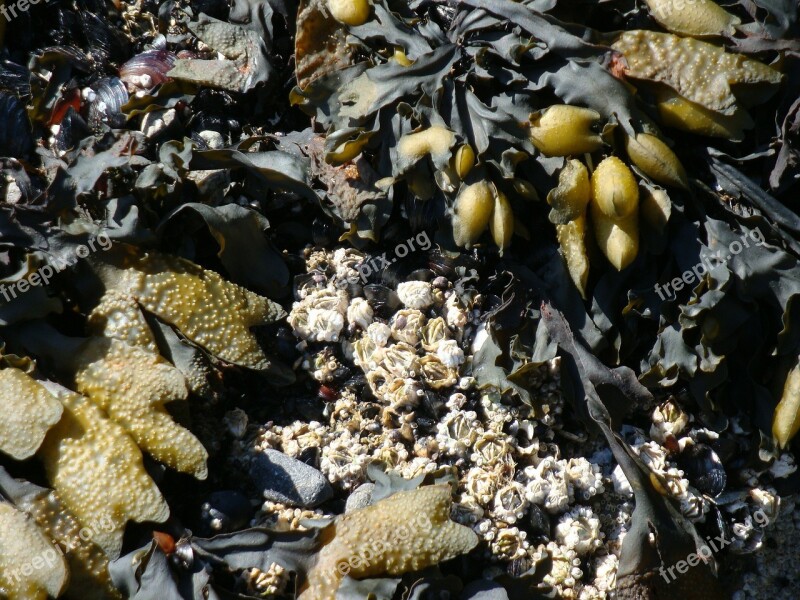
[284, 479]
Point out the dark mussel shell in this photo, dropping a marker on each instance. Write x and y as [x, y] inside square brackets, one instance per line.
[384, 300]
[16, 139]
[103, 41]
[147, 70]
[110, 95]
[72, 129]
[15, 78]
[703, 468]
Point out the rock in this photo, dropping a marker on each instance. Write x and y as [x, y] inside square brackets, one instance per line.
[361, 497]
[284, 479]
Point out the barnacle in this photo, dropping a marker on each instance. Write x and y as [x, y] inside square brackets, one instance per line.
[415, 294]
[349, 12]
[562, 130]
[433, 333]
[407, 531]
[98, 472]
[30, 410]
[211, 312]
[668, 419]
[569, 200]
[132, 386]
[786, 420]
[31, 567]
[579, 530]
[656, 160]
[696, 17]
[700, 72]
[406, 325]
[614, 210]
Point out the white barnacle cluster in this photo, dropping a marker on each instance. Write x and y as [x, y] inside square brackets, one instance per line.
[319, 315]
[668, 419]
[555, 483]
[692, 503]
[579, 530]
[566, 570]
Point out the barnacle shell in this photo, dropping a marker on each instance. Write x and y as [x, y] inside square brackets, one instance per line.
[472, 212]
[400, 360]
[407, 531]
[31, 567]
[98, 471]
[502, 222]
[676, 111]
[132, 385]
[562, 130]
[510, 503]
[350, 12]
[692, 17]
[786, 420]
[359, 313]
[406, 325]
[699, 71]
[614, 190]
[579, 530]
[656, 160]
[29, 411]
[436, 374]
[433, 332]
[668, 419]
[415, 294]
[569, 200]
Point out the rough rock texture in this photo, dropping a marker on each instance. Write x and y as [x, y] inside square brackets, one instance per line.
[286, 480]
[405, 532]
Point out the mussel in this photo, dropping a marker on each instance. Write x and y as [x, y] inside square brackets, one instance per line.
[105, 101]
[147, 70]
[703, 468]
[16, 138]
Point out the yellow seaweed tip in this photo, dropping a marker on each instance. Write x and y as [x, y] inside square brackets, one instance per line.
[350, 12]
[564, 130]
